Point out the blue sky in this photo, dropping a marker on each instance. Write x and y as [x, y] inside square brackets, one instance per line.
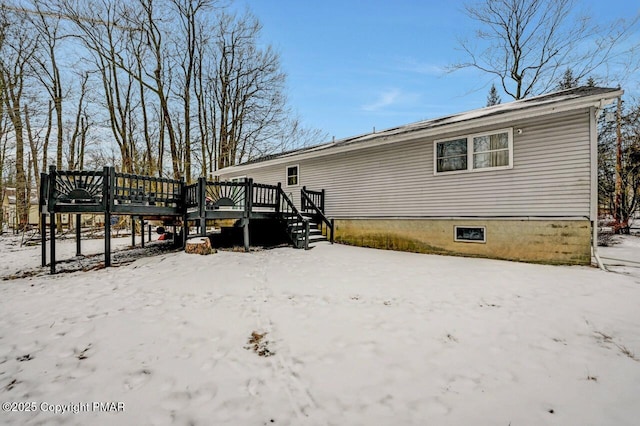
[353, 65]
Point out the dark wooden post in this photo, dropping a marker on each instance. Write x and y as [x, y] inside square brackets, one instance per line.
[202, 206]
[149, 228]
[322, 202]
[333, 228]
[133, 231]
[248, 197]
[43, 238]
[107, 197]
[52, 231]
[202, 196]
[303, 199]
[185, 222]
[278, 199]
[306, 234]
[52, 218]
[142, 230]
[43, 217]
[78, 234]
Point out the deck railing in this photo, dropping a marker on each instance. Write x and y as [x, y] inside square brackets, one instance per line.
[191, 195]
[81, 190]
[297, 225]
[140, 190]
[266, 196]
[313, 202]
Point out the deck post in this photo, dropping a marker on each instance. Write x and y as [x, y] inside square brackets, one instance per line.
[248, 197]
[133, 231]
[149, 228]
[43, 237]
[52, 218]
[333, 227]
[303, 200]
[108, 182]
[306, 234]
[322, 202]
[278, 199]
[245, 232]
[78, 234]
[52, 241]
[43, 217]
[185, 231]
[142, 230]
[202, 196]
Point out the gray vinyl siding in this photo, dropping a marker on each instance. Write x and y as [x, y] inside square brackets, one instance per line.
[550, 176]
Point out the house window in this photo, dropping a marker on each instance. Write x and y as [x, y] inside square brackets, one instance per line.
[292, 175]
[485, 151]
[473, 234]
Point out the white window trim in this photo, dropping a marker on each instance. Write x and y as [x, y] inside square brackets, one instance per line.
[237, 179]
[469, 138]
[286, 175]
[484, 234]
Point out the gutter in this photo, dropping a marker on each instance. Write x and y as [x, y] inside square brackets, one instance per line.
[598, 260]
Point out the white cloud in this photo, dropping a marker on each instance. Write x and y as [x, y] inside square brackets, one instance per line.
[423, 68]
[385, 99]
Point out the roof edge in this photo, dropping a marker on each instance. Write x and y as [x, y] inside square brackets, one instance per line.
[492, 115]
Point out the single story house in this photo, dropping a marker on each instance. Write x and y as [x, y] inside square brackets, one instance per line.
[514, 181]
[9, 215]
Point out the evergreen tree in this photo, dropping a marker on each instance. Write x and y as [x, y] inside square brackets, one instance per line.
[493, 98]
[568, 80]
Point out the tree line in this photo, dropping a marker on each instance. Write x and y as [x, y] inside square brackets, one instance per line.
[175, 88]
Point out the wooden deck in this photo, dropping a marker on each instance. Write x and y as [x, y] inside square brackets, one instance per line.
[112, 193]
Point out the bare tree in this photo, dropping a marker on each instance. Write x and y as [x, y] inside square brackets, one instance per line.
[106, 41]
[46, 69]
[248, 90]
[159, 74]
[80, 126]
[188, 12]
[527, 44]
[17, 50]
[619, 164]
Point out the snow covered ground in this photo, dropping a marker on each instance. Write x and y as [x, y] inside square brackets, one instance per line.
[623, 256]
[336, 335]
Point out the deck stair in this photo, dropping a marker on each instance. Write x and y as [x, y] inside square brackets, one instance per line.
[303, 230]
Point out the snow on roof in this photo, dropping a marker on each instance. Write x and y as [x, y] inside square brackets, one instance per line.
[556, 98]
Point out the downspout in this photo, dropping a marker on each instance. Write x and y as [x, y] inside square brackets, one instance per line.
[596, 112]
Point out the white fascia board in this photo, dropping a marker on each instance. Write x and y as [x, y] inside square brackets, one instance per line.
[397, 135]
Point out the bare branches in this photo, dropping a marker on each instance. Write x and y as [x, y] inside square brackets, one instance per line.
[152, 81]
[528, 44]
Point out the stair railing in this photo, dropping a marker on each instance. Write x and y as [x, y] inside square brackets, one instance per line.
[296, 223]
[309, 205]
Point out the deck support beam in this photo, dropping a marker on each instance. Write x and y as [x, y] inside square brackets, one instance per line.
[142, 230]
[78, 234]
[52, 241]
[245, 233]
[133, 231]
[107, 239]
[107, 194]
[43, 238]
